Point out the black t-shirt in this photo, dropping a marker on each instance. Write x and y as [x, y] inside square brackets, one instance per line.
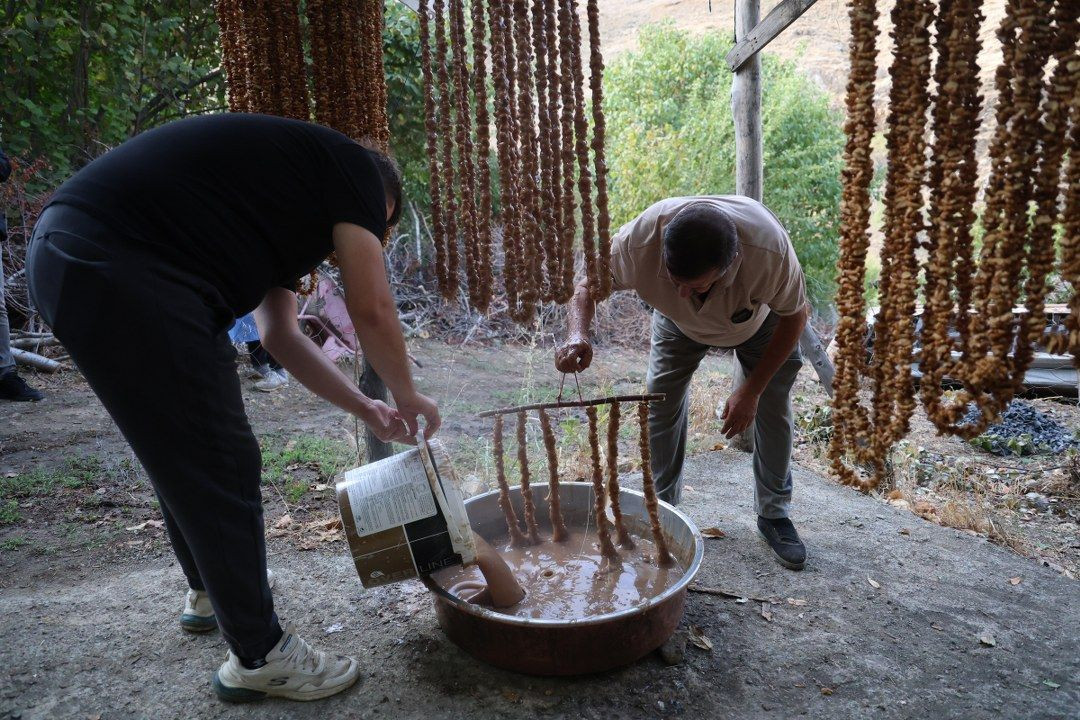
[245, 202]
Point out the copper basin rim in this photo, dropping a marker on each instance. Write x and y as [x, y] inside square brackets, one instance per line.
[574, 647]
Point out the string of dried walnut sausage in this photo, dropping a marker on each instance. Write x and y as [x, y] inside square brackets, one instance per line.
[568, 206]
[508, 158]
[621, 533]
[529, 198]
[663, 556]
[512, 527]
[850, 422]
[603, 217]
[431, 130]
[558, 527]
[483, 143]
[233, 52]
[466, 158]
[603, 529]
[447, 181]
[581, 146]
[548, 233]
[526, 477]
[952, 185]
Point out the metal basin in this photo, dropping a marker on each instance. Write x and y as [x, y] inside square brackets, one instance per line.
[579, 646]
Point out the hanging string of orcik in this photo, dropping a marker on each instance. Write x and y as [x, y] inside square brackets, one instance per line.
[550, 161]
[970, 333]
[262, 53]
[611, 535]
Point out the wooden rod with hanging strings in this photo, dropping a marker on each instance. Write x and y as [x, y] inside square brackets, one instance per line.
[650, 397]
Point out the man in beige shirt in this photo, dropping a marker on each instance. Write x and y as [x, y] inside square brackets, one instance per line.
[719, 271]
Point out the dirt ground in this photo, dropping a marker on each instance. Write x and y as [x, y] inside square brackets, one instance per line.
[894, 616]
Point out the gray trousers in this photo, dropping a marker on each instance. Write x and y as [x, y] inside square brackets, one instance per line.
[7, 360]
[672, 362]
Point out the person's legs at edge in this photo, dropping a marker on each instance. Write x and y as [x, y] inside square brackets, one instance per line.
[195, 443]
[12, 387]
[673, 358]
[773, 431]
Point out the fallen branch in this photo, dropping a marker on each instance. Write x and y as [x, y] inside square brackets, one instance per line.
[35, 361]
[728, 594]
[29, 343]
[651, 397]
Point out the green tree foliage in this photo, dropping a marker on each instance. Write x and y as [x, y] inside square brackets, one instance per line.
[405, 98]
[81, 76]
[670, 133]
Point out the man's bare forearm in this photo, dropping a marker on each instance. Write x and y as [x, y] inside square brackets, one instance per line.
[784, 339]
[582, 309]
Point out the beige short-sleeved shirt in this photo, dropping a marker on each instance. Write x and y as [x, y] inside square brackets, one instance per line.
[765, 274]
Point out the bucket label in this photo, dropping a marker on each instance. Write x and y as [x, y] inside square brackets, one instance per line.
[389, 493]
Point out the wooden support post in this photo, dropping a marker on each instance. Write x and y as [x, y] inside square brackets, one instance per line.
[746, 107]
[372, 386]
[778, 19]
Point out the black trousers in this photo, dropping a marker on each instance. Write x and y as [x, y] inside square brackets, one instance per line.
[152, 342]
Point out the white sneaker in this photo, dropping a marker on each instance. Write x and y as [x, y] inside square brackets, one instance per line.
[274, 380]
[259, 372]
[293, 670]
[198, 615]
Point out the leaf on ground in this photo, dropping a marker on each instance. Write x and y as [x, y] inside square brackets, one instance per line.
[1051, 684]
[826, 691]
[713, 532]
[697, 636]
[873, 583]
[1015, 580]
[896, 495]
[319, 487]
[327, 524]
[925, 509]
[159, 524]
[905, 531]
[987, 638]
[283, 522]
[766, 612]
[937, 627]
[511, 695]
[718, 446]
[797, 602]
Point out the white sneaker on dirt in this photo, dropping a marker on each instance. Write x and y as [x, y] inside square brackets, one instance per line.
[293, 670]
[259, 372]
[198, 615]
[274, 380]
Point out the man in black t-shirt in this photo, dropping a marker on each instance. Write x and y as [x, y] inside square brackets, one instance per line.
[151, 251]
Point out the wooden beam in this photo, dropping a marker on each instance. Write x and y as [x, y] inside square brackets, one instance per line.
[764, 32]
[746, 107]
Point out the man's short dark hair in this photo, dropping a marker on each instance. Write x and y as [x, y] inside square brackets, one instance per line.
[391, 180]
[700, 238]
